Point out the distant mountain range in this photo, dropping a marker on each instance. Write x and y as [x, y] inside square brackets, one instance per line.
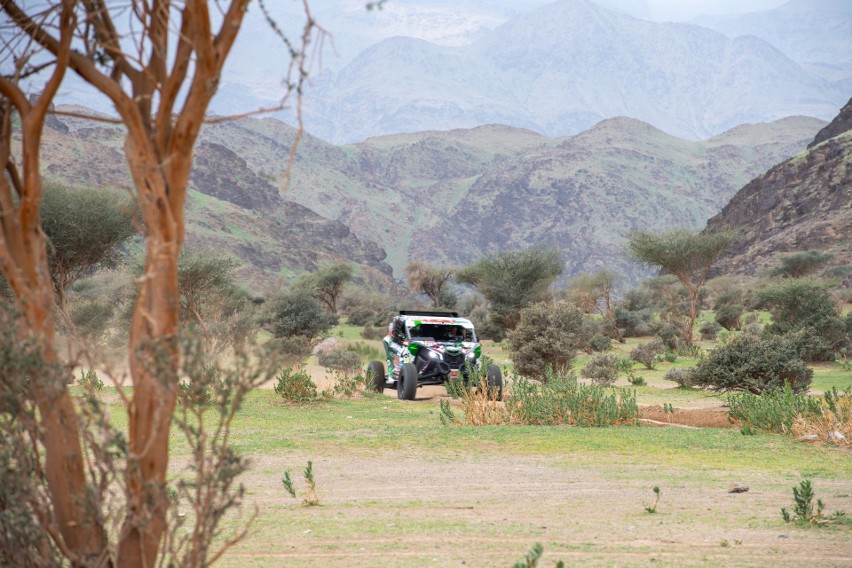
[800, 204]
[814, 33]
[562, 68]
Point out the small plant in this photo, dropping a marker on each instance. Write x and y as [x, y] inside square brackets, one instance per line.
[533, 557]
[602, 369]
[600, 343]
[626, 366]
[779, 411]
[670, 356]
[347, 386]
[653, 508]
[310, 499]
[647, 352]
[90, 381]
[296, 386]
[709, 330]
[803, 508]
[842, 359]
[683, 377]
[668, 409]
[339, 360]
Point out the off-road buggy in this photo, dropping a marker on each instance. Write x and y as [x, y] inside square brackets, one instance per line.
[431, 348]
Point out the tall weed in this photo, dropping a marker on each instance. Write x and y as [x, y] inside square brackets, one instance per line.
[783, 411]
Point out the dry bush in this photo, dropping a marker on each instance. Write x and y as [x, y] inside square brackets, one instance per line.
[480, 407]
[835, 418]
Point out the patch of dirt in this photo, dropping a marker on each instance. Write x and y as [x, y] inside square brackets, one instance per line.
[695, 417]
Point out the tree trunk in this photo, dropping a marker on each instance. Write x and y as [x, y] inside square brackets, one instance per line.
[154, 362]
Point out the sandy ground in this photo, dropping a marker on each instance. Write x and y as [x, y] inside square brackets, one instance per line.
[479, 509]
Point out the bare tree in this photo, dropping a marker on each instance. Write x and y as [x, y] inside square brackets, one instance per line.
[160, 76]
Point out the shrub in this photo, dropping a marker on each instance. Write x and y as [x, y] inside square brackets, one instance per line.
[709, 330]
[802, 263]
[600, 342]
[647, 352]
[805, 304]
[374, 332]
[681, 376]
[670, 335]
[772, 412]
[91, 318]
[602, 369]
[547, 335]
[297, 313]
[292, 350]
[754, 364]
[728, 315]
[339, 360]
[753, 328]
[295, 386]
[562, 400]
[670, 356]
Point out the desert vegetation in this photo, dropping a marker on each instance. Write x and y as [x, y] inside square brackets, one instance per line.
[153, 400]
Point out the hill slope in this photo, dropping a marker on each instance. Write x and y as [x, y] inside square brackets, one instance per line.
[801, 204]
[444, 197]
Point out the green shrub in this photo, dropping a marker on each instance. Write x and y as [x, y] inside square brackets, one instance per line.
[547, 335]
[296, 312]
[802, 263]
[295, 386]
[91, 318]
[90, 380]
[339, 360]
[292, 350]
[798, 304]
[602, 369]
[373, 332]
[647, 352]
[709, 330]
[728, 316]
[681, 376]
[600, 343]
[754, 364]
[670, 356]
[771, 412]
[562, 400]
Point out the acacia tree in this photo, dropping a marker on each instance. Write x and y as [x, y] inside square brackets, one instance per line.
[85, 227]
[593, 293]
[686, 255]
[428, 279]
[160, 76]
[513, 280]
[326, 284]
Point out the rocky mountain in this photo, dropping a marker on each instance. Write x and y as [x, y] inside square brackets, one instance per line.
[802, 203]
[560, 69]
[814, 33]
[444, 197]
[232, 207]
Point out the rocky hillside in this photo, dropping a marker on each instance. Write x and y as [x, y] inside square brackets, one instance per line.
[444, 197]
[232, 207]
[801, 204]
[450, 196]
[560, 69]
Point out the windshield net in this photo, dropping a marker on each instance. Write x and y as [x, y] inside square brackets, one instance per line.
[441, 333]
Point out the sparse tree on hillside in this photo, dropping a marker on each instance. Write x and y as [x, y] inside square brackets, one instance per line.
[160, 67]
[513, 280]
[326, 284]
[593, 293]
[425, 278]
[85, 228]
[687, 255]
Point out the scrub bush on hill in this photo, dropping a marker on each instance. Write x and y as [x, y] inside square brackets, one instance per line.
[754, 364]
[805, 304]
[339, 360]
